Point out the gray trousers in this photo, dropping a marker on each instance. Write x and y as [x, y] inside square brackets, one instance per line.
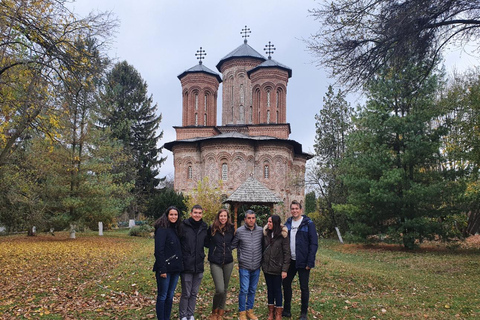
[190, 285]
[221, 278]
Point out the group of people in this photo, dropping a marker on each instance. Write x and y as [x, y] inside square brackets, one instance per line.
[281, 251]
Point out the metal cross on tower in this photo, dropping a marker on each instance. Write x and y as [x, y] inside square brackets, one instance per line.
[245, 33]
[269, 49]
[200, 55]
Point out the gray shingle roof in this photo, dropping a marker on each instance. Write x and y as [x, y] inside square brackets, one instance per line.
[254, 192]
[200, 68]
[243, 51]
[270, 63]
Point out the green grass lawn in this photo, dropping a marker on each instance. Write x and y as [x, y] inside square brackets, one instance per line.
[110, 277]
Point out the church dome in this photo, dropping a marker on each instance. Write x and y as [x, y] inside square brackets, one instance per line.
[243, 51]
[200, 68]
[270, 63]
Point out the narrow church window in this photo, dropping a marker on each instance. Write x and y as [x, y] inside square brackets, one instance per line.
[205, 119]
[224, 172]
[268, 98]
[189, 174]
[242, 114]
[196, 119]
[205, 102]
[277, 117]
[266, 171]
[196, 101]
[251, 114]
[242, 94]
[268, 116]
[232, 115]
[278, 98]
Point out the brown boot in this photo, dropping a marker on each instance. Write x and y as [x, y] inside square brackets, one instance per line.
[242, 315]
[271, 309]
[213, 316]
[251, 315]
[278, 313]
[220, 313]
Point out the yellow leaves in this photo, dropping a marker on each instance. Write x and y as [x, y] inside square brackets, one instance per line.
[46, 275]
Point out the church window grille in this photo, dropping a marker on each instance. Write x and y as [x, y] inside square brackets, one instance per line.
[189, 173]
[196, 101]
[266, 171]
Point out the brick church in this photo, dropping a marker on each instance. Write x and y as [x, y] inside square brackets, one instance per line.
[252, 140]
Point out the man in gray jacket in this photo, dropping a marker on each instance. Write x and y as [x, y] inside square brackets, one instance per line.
[248, 241]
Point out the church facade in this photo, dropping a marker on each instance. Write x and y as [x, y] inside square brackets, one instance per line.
[253, 139]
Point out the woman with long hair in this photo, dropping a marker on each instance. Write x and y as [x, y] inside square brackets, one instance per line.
[168, 259]
[275, 263]
[219, 243]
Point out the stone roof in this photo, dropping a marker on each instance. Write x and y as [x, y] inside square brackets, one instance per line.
[270, 63]
[252, 191]
[243, 51]
[200, 68]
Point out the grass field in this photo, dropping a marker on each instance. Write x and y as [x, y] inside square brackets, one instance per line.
[110, 277]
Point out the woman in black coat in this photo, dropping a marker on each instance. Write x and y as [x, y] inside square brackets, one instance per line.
[219, 243]
[275, 263]
[168, 260]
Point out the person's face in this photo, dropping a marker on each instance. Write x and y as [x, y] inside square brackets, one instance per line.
[270, 224]
[223, 217]
[196, 214]
[250, 220]
[295, 211]
[172, 215]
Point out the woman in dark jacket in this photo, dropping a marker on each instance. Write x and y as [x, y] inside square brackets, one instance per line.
[219, 243]
[275, 263]
[168, 260]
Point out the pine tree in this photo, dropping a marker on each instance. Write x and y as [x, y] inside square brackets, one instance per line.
[131, 115]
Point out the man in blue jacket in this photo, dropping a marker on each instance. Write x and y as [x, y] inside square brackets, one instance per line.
[303, 247]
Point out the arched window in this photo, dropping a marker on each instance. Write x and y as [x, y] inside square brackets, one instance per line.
[205, 119]
[189, 173]
[268, 98]
[242, 114]
[224, 171]
[205, 102]
[196, 100]
[268, 116]
[266, 171]
[196, 119]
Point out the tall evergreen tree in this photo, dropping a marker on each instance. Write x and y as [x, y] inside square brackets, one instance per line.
[132, 117]
[393, 159]
[333, 123]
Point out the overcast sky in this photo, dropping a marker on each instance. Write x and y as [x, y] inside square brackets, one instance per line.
[160, 39]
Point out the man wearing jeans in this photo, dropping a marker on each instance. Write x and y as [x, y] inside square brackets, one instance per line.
[303, 247]
[248, 241]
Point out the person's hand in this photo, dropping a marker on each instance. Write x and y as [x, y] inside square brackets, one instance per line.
[308, 268]
[163, 275]
[284, 274]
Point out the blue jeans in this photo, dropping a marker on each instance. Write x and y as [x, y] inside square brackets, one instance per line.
[248, 287]
[165, 291]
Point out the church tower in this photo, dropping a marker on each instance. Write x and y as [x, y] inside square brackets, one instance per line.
[199, 97]
[237, 88]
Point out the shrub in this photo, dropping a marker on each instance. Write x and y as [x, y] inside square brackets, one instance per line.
[143, 230]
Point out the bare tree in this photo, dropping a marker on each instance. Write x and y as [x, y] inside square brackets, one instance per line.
[360, 37]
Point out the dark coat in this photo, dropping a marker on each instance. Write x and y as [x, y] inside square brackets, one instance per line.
[220, 246]
[168, 251]
[306, 242]
[276, 256]
[193, 242]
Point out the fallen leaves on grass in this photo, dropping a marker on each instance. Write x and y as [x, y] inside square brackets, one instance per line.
[45, 276]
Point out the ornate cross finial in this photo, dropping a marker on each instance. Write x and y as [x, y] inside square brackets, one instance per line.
[200, 55]
[245, 31]
[269, 49]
